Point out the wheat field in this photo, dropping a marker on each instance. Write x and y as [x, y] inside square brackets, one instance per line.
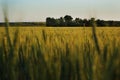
[41, 53]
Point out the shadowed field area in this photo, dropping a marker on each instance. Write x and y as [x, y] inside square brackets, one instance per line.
[41, 53]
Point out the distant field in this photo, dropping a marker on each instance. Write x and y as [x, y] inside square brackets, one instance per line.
[67, 33]
[49, 53]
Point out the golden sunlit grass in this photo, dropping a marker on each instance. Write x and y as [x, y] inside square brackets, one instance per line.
[41, 53]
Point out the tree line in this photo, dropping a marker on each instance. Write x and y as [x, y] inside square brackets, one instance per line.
[23, 24]
[68, 21]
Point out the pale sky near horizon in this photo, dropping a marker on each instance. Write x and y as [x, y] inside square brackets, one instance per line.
[38, 10]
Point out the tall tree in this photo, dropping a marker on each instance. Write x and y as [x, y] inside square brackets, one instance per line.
[68, 19]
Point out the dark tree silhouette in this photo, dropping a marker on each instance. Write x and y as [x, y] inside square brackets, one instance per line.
[85, 22]
[62, 21]
[68, 20]
[77, 21]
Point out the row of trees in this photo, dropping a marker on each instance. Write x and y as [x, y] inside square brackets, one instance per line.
[68, 21]
[23, 24]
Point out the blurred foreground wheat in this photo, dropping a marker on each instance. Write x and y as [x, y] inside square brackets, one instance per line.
[59, 54]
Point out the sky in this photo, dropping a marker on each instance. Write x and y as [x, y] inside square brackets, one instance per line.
[38, 10]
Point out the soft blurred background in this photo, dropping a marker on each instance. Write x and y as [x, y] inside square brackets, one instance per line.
[38, 10]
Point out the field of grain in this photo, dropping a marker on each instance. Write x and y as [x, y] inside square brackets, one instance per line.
[41, 53]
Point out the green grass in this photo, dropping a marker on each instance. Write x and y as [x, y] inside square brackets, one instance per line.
[40, 53]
